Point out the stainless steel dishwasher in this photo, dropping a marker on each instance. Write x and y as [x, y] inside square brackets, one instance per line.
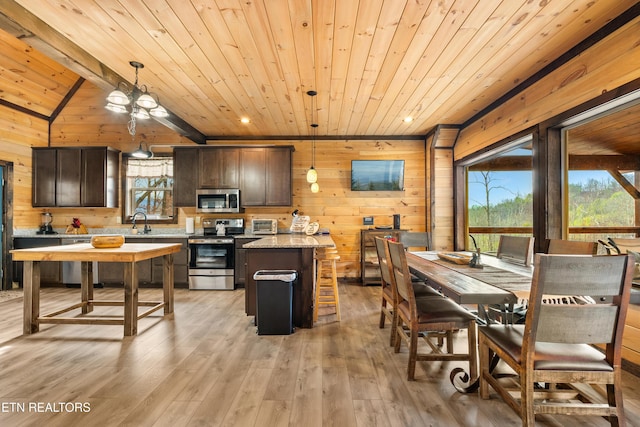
[71, 270]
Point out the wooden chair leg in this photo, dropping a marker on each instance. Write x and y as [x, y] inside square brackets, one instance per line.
[413, 355]
[383, 316]
[398, 336]
[472, 341]
[526, 398]
[614, 398]
[334, 279]
[394, 328]
[485, 361]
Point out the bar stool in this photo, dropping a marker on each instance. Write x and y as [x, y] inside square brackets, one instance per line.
[326, 280]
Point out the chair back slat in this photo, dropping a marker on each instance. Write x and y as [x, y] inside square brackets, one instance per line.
[582, 275]
[575, 324]
[415, 239]
[578, 323]
[400, 271]
[385, 268]
[516, 248]
[571, 247]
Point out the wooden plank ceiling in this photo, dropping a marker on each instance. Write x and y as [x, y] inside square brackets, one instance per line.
[372, 62]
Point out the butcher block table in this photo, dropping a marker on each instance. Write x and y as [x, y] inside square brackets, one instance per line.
[128, 254]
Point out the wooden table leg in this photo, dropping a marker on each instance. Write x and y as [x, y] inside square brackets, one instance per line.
[86, 286]
[167, 282]
[31, 279]
[130, 299]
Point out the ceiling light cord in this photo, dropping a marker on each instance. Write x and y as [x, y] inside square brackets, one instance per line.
[312, 174]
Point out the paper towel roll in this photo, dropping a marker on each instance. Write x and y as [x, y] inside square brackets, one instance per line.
[190, 226]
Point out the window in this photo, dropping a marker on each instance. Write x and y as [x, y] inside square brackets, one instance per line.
[500, 197]
[149, 189]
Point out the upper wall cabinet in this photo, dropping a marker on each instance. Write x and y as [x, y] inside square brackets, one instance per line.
[220, 168]
[265, 177]
[185, 176]
[263, 174]
[75, 177]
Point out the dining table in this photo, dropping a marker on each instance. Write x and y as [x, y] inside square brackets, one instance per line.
[128, 254]
[491, 282]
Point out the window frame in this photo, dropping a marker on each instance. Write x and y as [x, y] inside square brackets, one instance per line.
[126, 219]
[461, 235]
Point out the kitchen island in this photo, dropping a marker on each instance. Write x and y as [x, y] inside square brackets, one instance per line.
[286, 252]
[128, 254]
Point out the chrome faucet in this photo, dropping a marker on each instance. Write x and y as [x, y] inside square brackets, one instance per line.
[146, 229]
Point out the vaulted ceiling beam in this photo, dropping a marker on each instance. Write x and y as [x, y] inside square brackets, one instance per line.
[21, 23]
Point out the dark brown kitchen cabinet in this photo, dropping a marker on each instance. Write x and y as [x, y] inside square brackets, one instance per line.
[100, 171]
[75, 177]
[149, 271]
[219, 167]
[278, 176]
[240, 261]
[180, 264]
[185, 176]
[252, 177]
[44, 167]
[68, 176]
[265, 176]
[50, 272]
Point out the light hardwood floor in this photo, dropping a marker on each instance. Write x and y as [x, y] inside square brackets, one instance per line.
[207, 366]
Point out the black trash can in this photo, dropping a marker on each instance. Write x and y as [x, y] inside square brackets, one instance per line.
[274, 300]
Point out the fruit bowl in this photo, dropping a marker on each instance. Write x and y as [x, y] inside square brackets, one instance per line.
[107, 241]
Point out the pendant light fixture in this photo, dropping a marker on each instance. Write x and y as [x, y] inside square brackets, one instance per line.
[312, 174]
[141, 153]
[142, 104]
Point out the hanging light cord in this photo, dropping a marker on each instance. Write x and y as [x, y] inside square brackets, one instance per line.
[314, 125]
[313, 145]
[131, 125]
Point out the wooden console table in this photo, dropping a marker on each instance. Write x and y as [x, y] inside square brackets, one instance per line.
[128, 254]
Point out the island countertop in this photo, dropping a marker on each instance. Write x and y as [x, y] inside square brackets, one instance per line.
[283, 241]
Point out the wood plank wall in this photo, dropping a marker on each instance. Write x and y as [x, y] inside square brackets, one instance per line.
[85, 122]
[20, 132]
[607, 65]
[440, 187]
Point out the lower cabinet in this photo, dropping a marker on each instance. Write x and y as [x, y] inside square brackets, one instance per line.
[50, 272]
[240, 266]
[149, 271]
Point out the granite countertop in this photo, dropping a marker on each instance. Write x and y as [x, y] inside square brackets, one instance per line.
[126, 232]
[291, 241]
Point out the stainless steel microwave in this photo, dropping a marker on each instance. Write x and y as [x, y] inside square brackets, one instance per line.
[212, 200]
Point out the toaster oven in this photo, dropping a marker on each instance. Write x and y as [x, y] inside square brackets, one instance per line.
[264, 226]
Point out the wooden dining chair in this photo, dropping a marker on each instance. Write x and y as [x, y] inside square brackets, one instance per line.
[570, 247]
[415, 240]
[553, 353]
[516, 249]
[428, 318]
[519, 250]
[387, 309]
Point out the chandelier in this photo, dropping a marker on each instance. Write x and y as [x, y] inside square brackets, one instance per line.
[312, 174]
[142, 105]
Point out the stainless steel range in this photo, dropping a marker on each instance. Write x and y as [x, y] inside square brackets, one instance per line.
[211, 256]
